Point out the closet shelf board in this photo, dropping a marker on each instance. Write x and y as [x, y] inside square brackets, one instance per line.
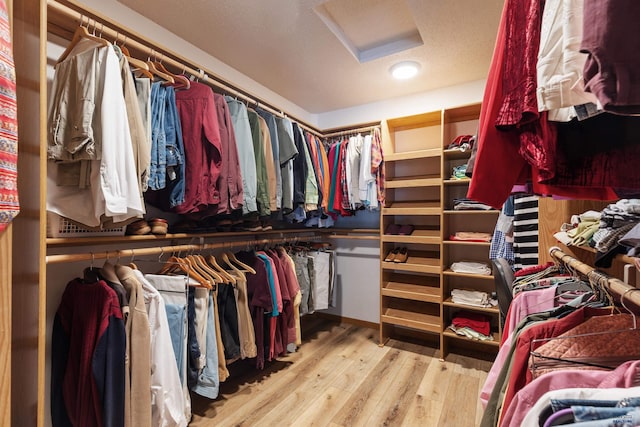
[411, 155]
[494, 343]
[415, 264]
[465, 243]
[418, 236]
[456, 154]
[412, 208]
[490, 310]
[411, 319]
[411, 291]
[471, 212]
[460, 182]
[449, 272]
[432, 118]
[624, 258]
[414, 181]
[84, 241]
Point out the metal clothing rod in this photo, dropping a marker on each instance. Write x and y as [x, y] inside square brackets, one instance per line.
[129, 38]
[123, 253]
[349, 131]
[614, 286]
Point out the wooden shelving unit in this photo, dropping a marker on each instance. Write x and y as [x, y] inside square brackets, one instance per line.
[410, 293]
[463, 121]
[415, 296]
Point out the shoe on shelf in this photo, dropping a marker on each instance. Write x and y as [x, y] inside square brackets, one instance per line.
[391, 256]
[138, 228]
[406, 230]
[392, 229]
[158, 226]
[401, 256]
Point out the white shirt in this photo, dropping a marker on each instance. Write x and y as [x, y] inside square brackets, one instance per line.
[167, 399]
[352, 170]
[367, 181]
[560, 62]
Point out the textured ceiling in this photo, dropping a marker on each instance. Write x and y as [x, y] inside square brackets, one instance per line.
[285, 46]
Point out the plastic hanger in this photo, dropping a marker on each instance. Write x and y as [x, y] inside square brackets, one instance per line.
[81, 33]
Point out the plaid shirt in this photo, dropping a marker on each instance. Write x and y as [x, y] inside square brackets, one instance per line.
[377, 163]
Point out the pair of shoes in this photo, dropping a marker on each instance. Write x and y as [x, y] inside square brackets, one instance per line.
[398, 255]
[400, 230]
[138, 228]
[158, 226]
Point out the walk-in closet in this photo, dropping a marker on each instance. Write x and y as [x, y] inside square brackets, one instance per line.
[321, 212]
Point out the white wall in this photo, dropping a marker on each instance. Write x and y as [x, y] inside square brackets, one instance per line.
[142, 25]
[357, 288]
[446, 97]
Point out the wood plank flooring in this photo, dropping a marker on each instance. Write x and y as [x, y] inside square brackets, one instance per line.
[340, 377]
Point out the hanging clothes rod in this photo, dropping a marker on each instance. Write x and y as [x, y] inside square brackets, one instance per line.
[174, 249]
[145, 47]
[614, 286]
[349, 131]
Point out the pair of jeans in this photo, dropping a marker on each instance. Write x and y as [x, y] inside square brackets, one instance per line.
[208, 384]
[158, 166]
[175, 164]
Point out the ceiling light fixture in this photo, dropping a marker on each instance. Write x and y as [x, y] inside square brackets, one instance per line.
[404, 70]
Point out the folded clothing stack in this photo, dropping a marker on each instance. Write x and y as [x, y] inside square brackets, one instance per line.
[472, 325]
[471, 236]
[475, 298]
[469, 205]
[470, 267]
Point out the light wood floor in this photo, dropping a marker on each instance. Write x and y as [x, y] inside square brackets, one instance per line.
[340, 377]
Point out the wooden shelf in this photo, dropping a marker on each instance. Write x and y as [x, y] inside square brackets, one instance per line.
[414, 181]
[418, 262]
[412, 208]
[465, 243]
[102, 240]
[428, 237]
[459, 182]
[448, 272]
[495, 343]
[412, 155]
[462, 113]
[471, 212]
[411, 291]
[490, 310]
[456, 154]
[410, 319]
[433, 118]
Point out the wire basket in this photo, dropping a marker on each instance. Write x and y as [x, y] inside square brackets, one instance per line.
[59, 226]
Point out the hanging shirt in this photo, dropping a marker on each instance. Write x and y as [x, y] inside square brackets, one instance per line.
[262, 192]
[230, 180]
[202, 145]
[352, 170]
[9, 204]
[275, 148]
[269, 164]
[246, 155]
[88, 357]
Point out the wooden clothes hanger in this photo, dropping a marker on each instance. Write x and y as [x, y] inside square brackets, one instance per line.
[242, 265]
[140, 67]
[180, 81]
[199, 263]
[80, 34]
[229, 278]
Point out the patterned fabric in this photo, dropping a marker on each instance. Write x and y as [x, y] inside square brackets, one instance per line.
[377, 163]
[9, 205]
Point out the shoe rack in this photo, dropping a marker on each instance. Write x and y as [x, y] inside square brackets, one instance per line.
[415, 295]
